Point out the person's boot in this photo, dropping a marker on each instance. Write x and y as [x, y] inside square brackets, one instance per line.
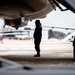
[74, 54]
[37, 55]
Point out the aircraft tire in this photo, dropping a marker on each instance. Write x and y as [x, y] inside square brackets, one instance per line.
[74, 54]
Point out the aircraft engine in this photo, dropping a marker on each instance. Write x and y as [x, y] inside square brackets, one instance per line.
[16, 23]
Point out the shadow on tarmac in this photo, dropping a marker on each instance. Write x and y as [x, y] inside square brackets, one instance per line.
[29, 60]
[32, 58]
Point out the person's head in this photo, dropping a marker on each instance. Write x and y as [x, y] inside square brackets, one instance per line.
[38, 24]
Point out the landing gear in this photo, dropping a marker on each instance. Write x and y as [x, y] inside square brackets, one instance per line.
[16, 28]
[74, 54]
[0, 64]
[4, 26]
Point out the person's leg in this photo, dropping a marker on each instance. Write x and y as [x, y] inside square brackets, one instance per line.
[37, 47]
[37, 50]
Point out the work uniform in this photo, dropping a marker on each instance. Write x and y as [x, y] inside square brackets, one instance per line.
[37, 38]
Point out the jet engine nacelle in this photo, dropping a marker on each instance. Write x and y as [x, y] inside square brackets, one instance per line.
[16, 22]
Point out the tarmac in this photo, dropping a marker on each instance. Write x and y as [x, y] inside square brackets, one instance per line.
[23, 51]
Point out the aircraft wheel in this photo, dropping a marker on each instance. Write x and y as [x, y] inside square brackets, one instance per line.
[74, 54]
[0, 64]
[16, 28]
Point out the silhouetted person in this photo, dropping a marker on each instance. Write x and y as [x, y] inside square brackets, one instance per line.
[74, 48]
[37, 37]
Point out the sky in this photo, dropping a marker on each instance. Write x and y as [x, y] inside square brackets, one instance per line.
[58, 19]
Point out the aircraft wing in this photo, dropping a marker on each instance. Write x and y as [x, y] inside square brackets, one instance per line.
[30, 9]
[17, 13]
[16, 32]
[59, 27]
